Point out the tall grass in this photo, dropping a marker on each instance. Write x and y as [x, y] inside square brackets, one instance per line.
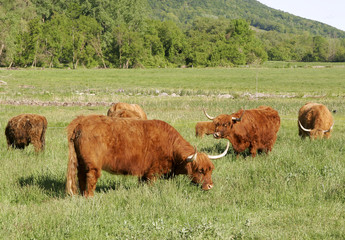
[295, 192]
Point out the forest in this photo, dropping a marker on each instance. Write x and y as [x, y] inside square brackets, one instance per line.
[148, 33]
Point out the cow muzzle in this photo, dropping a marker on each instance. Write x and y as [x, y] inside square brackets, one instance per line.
[207, 186]
[216, 135]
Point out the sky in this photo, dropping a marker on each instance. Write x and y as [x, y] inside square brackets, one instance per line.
[331, 12]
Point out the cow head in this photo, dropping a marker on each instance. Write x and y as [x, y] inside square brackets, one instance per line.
[202, 167]
[224, 123]
[201, 171]
[316, 132]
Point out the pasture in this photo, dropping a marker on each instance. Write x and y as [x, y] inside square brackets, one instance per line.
[295, 192]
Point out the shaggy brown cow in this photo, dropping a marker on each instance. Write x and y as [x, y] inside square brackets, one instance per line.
[315, 121]
[255, 129]
[25, 129]
[202, 128]
[121, 109]
[143, 148]
[125, 113]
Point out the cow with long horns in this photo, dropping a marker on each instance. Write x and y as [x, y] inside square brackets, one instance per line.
[315, 121]
[253, 129]
[144, 148]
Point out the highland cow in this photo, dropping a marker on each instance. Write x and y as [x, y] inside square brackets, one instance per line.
[25, 129]
[315, 121]
[255, 129]
[127, 110]
[144, 148]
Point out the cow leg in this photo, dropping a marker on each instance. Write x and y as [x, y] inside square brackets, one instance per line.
[91, 179]
[9, 145]
[20, 145]
[82, 180]
[37, 146]
[150, 178]
[253, 151]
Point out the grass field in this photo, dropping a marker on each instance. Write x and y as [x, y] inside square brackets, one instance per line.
[295, 192]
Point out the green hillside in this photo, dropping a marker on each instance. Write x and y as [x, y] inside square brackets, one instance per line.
[151, 33]
[258, 14]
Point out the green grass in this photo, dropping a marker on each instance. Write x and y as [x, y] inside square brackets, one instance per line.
[295, 192]
[107, 85]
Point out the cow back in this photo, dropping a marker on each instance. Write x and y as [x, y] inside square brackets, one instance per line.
[261, 120]
[120, 106]
[128, 146]
[316, 117]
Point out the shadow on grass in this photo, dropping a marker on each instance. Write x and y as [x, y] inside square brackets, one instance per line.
[106, 187]
[55, 188]
[51, 187]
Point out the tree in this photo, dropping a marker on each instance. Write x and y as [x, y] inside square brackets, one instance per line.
[320, 49]
[127, 50]
[174, 42]
[58, 40]
[84, 31]
[154, 55]
[241, 36]
[14, 16]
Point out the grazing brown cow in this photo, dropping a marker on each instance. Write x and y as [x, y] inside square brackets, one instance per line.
[255, 129]
[202, 128]
[315, 121]
[143, 148]
[125, 113]
[121, 109]
[24, 129]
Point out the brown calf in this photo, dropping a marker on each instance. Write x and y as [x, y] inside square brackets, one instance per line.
[202, 128]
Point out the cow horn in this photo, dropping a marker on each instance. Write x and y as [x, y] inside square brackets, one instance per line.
[240, 118]
[208, 116]
[304, 129]
[222, 154]
[192, 157]
[329, 128]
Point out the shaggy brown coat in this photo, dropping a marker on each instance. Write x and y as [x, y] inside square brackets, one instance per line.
[143, 148]
[255, 129]
[24, 129]
[121, 109]
[202, 128]
[125, 113]
[316, 118]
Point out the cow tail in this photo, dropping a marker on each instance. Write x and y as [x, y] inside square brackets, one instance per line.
[43, 134]
[71, 185]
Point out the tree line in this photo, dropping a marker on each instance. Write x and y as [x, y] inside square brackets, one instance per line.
[123, 34]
